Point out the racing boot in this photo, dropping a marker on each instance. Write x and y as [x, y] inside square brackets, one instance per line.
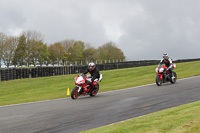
[91, 87]
[170, 73]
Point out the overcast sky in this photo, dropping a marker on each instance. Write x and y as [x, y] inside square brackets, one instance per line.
[143, 29]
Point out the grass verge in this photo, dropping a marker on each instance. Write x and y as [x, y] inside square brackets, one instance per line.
[181, 119]
[46, 88]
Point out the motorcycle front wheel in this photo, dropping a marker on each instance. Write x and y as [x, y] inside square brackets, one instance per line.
[158, 80]
[173, 78]
[75, 94]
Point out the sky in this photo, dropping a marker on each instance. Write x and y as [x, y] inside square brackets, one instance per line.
[142, 29]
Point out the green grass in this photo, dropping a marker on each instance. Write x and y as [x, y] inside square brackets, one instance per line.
[45, 88]
[181, 119]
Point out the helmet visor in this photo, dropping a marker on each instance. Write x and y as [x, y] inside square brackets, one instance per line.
[165, 57]
[91, 67]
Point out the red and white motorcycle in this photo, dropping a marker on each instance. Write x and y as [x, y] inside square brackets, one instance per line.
[82, 88]
[163, 75]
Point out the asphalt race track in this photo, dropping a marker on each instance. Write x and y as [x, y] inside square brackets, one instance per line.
[71, 116]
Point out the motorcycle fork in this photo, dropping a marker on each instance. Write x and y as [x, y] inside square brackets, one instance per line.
[85, 89]
[79, 89]
[167, 77]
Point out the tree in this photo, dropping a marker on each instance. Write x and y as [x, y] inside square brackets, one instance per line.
[67, 44]
[102, 53]
[40, 54]
[90, 54]
[44, 55]
[52, 54]
[9, 50]
[20, 52]
[32, 38]
[76, 52]
[3, 39]
[110, 52]
[57, 53]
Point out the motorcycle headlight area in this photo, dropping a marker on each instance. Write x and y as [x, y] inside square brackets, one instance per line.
[80, 82]
[161, 70]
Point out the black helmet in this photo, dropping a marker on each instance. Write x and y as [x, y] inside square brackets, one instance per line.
[91, 66]
[165, 56]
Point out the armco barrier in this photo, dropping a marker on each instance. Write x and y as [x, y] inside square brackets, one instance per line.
[19, 73]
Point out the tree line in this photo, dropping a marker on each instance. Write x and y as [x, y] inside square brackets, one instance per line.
[30, 49]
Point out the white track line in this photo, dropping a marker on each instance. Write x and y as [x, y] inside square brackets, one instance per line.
[100, 92]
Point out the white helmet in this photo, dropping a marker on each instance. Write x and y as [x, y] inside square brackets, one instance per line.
[91, 66]
[165, 56]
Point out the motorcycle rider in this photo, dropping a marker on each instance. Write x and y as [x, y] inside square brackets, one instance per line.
[168, 63]
[94, 71]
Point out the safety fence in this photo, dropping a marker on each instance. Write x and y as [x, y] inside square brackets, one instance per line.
[19, 73]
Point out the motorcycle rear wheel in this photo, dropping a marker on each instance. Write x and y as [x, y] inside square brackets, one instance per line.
[75, 94]
[94, 92]
[173, 78]
[158, 80]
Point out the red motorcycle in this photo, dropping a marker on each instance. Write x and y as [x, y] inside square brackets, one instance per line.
[83, 88]
[163, 75]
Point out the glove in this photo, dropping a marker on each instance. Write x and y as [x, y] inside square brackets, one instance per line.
[89, 81]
